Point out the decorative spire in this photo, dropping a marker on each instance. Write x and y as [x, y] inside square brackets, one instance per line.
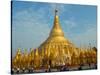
[56, 11]
[56, 30]
[36, 53]
[19, 51]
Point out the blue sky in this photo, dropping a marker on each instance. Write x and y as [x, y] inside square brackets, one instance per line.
[32, 22]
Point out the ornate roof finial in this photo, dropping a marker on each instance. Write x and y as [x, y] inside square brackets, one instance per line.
[56, 11]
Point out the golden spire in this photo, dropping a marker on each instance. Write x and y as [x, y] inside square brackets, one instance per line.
[36, 53]
[19, 51]
[32, 52]
[18, 54]
[56, 36]
[56, 30]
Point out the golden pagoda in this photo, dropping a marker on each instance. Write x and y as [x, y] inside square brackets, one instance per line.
[57, 48]
[55, 51]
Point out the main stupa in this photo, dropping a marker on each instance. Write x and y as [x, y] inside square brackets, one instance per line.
[56, 47]
[56, 37]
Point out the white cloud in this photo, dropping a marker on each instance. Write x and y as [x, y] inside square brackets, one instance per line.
[80, 34]
[88, 36]
[69, 24]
